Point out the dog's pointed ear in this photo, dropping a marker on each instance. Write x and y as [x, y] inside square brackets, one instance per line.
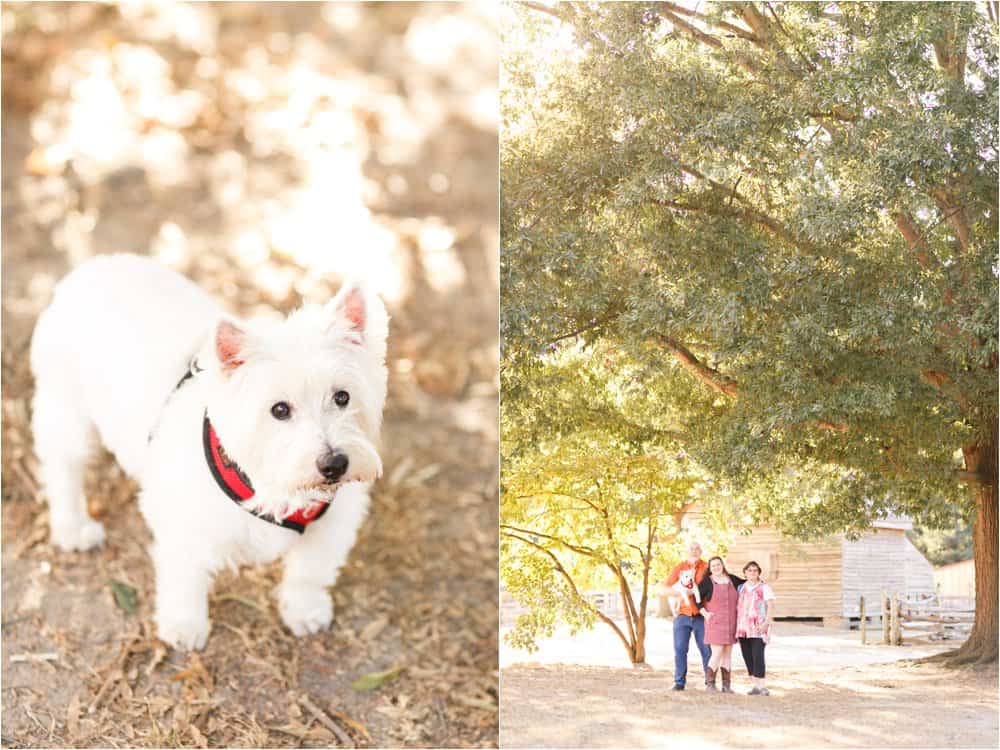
[348, 311]
[230, 341]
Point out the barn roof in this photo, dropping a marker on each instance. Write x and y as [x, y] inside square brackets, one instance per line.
[893, 521]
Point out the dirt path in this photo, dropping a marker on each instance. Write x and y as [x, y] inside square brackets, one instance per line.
[827, 690]
[887, 705]
[265, 150]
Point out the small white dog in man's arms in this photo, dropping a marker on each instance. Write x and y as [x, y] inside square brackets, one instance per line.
[250, 439]
[684, 590]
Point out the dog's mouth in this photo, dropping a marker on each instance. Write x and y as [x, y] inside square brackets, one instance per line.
[320, 492]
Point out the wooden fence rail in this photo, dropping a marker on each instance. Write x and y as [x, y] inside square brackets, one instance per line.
[922, 619]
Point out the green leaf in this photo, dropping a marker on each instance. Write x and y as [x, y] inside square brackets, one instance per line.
[125, 596]
[375, 680]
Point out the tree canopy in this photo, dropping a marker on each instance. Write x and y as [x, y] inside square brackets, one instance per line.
[781, 219]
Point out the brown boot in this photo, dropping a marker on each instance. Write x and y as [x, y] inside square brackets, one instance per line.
[710, 679]
[726, 675]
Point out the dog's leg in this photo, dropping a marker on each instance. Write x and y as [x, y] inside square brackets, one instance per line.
[182, 584]
[64, 441]
[313, 563]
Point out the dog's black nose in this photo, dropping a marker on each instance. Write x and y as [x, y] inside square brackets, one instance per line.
[332, 466]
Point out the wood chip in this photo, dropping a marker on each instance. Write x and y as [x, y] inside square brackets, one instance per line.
[370, 631]
[199, 738]
[73, 716]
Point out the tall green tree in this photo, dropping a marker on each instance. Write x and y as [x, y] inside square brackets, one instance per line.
[785, 217]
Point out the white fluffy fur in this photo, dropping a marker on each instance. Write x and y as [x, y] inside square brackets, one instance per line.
[684, 590]
[107, 354]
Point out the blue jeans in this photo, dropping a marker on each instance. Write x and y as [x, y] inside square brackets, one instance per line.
[684, 625]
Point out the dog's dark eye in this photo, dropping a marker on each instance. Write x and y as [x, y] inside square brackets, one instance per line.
[281, 410]
[340, 398]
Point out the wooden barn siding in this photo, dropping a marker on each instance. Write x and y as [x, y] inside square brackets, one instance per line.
[919, 571]
[882, 560]
[807, 580]
[957, 579]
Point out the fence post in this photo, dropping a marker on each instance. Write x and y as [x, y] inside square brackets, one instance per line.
[897, 636]
[885, 619]
[861, 624]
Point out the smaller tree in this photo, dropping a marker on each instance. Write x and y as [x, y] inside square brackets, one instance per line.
[586, 512]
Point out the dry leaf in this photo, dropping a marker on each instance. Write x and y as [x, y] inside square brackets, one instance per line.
[126, 597]
[375, 680]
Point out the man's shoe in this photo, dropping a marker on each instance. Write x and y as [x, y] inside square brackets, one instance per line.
[754, 691]
[678, 686]
[763, 691]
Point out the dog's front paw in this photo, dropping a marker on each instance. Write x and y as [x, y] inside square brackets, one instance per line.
[185, 633]
[304, 609]
[77, 536]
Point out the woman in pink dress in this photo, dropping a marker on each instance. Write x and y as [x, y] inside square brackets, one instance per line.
[719, 598]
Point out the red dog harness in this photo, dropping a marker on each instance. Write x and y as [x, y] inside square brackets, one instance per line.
[231, 478]
[236, 484]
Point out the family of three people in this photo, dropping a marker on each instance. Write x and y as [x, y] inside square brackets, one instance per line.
[732, 610]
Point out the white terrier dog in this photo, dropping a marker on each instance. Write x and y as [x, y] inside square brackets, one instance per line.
[265, 447]
[684, 590]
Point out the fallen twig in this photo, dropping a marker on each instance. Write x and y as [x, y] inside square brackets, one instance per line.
[326, 721]
[357, 726]
[25, 476]
[241, 599]
[47, 656]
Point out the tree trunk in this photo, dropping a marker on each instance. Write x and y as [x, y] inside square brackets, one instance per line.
[982, 643]
[640, 642]
[639, 651]
[637, 626]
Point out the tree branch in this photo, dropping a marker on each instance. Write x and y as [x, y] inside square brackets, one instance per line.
[973, 477]
[587, 551]
[576, 592]
[736, 30]
[747, 211]
[707, 375]
[953, 209]
[944, 383]
[541, 8]
[647, 561]
[950, 49]
[908, 228]
[583, 329]
[631, 618]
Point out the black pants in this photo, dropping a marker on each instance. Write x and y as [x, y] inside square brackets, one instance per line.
[753, 655]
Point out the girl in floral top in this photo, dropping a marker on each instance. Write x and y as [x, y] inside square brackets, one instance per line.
[753, 624]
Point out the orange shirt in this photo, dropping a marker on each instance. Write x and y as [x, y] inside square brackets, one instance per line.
[690, 607]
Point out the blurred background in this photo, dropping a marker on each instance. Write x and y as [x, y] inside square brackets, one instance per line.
[266, 150]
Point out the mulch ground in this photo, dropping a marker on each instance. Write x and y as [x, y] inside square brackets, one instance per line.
[192, 132]
[893, 705]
